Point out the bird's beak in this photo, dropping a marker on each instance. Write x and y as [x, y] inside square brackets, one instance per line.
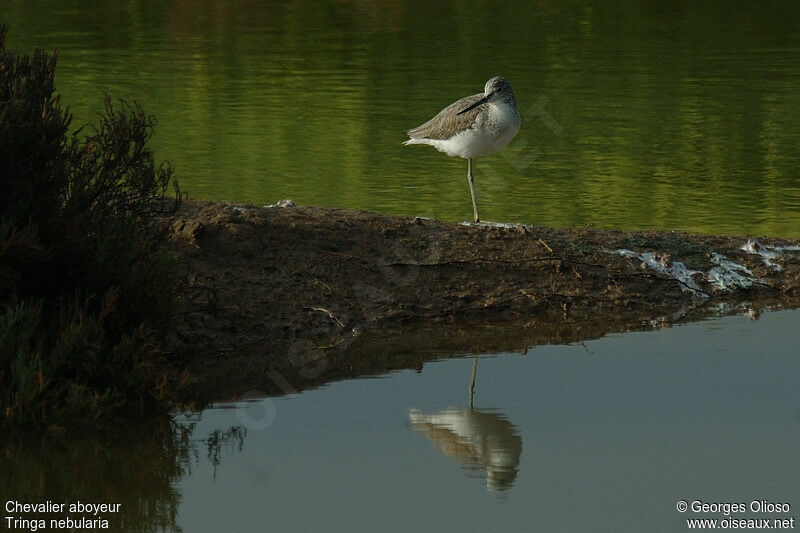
[476, 104]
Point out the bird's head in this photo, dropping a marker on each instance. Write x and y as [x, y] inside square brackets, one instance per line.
[496, 89]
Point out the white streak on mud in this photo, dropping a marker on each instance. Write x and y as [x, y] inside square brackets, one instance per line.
[725, 275]
[676, 270]
[506, 225]
[767, 252]
[728, 275]
[288, 202]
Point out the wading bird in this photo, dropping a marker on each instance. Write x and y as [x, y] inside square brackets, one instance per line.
[474, 126]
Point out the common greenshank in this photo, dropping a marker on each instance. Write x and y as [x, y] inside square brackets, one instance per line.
[474, 126]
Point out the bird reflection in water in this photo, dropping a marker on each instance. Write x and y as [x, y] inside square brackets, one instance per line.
[481, 441]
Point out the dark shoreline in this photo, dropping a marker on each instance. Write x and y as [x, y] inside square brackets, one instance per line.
[283, 299]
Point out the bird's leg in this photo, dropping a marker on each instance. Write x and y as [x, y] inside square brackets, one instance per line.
[472, 380]
[472, 188]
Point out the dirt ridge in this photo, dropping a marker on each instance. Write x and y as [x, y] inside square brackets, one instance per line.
[311, 293]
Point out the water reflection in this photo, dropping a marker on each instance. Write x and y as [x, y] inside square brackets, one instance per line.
[482, 441]
[136, 466]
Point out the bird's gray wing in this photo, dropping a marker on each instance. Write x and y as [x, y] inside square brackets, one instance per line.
[448, 122]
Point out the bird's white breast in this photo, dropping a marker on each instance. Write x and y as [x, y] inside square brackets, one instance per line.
[492, 131]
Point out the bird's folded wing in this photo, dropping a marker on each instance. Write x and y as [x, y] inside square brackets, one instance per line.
[448, 122]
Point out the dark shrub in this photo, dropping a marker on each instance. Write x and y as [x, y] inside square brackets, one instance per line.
[85, 284]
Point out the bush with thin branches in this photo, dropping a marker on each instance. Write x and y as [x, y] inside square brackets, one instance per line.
[86, 284]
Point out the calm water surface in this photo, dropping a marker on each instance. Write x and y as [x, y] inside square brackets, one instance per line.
[646, 116]
[651, 115]
[604, 436]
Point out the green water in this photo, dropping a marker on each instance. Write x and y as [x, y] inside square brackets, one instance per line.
[647, 116]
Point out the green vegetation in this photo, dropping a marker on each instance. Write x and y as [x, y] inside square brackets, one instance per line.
[138, 465]
[85, 285]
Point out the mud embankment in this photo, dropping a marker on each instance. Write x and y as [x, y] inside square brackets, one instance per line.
[279, 299]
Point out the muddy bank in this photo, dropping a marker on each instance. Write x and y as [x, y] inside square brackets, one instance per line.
[280, 299]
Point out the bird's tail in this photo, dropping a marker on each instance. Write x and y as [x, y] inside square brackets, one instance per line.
[414, 141]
